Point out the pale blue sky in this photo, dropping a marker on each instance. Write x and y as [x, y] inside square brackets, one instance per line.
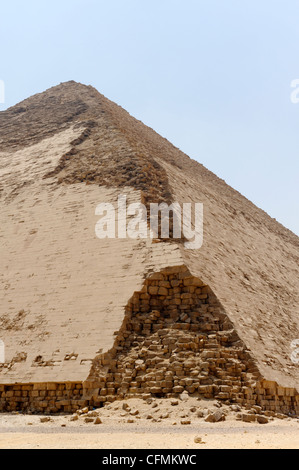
[212, 76]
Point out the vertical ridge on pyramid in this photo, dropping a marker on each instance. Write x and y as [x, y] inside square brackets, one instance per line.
[84, 320]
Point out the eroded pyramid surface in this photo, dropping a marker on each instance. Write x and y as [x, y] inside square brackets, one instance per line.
[85, 320]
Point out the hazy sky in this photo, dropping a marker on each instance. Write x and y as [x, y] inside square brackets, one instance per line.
[212, 76]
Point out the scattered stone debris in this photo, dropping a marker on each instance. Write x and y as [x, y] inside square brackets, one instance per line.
[45, 419]
[215, 417]
[262, 419]
[235, 408]
[92, 414]
[198, 440]
[89, 420]
[247, 417]
[179, 411]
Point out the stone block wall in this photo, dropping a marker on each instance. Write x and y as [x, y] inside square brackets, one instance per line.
[42, 397]
[175, 337]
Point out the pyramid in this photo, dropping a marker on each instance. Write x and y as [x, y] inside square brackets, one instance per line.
[86, 320]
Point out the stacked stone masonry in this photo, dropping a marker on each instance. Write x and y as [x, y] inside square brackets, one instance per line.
[42, 397]
[175, 337]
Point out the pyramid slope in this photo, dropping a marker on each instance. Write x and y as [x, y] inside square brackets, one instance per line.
[70, 147]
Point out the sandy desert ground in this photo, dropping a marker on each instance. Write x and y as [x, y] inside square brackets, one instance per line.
[136, 424]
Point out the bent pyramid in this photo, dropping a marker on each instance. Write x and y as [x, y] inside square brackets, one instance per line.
[87, 320]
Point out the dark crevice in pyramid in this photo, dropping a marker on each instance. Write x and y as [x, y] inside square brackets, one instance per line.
[176, 337]
[105, 153]
[134, 161]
